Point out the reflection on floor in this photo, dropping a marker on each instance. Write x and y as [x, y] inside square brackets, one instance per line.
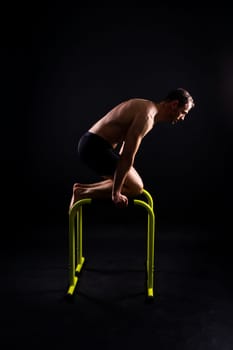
[192, 308]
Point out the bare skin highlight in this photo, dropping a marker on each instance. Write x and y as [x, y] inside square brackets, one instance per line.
[126, 124]
[103, 189]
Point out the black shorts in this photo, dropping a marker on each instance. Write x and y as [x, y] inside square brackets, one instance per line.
[99, 155]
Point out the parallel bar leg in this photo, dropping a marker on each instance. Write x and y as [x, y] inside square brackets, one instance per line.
[150, 253]
[72, 261]
[79, 240]
[150, 246]
[76, 260]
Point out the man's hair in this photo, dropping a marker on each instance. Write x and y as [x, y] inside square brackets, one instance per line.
[180, 94]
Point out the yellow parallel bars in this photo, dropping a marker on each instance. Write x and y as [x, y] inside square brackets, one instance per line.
[76, 259]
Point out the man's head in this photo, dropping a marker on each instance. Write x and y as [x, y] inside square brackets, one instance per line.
[178, 103]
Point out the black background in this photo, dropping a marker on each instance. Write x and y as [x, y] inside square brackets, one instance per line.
[63, 67]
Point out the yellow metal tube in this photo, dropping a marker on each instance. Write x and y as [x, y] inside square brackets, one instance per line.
[76, 259]
[150, 245]
[148, 197]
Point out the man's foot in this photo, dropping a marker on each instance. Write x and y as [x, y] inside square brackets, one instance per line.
[77, 194]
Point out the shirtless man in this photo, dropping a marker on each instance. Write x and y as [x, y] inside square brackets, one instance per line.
[126, 125]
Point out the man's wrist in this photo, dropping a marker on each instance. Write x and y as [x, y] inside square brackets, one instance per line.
[115, 194]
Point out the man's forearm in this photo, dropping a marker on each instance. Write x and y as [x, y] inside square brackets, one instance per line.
[120, 175]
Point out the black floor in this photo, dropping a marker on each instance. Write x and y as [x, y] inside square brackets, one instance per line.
[192, 308]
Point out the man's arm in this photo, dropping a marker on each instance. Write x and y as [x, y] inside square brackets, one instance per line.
[122, 147]
[125, 162]
[132, 143]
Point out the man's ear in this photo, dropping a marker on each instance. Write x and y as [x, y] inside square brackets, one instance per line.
[174, 104]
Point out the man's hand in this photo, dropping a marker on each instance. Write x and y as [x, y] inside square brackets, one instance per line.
[120, 200]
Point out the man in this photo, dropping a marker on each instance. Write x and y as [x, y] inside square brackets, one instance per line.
[125, 125]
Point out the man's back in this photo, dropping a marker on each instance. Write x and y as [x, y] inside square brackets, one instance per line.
[115, 125]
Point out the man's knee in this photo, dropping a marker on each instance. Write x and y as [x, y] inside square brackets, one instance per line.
[134, 184]
[137, 188]
[140, 187]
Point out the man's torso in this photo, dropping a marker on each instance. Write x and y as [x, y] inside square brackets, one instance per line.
[115, 125]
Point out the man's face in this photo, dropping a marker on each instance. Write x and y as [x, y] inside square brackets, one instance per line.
[178, 113]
